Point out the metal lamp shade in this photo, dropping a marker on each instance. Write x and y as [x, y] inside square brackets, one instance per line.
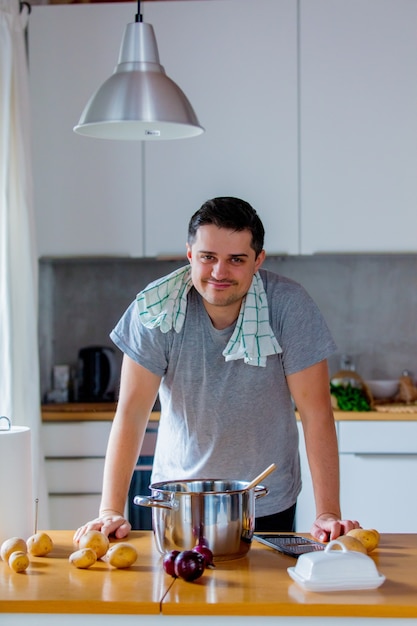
[139, 101]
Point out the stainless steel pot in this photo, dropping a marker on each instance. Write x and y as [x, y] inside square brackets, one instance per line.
[216, 511]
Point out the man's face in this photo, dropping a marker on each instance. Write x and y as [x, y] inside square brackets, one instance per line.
[222, 266]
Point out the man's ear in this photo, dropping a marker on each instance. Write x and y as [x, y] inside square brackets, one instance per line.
[260, 259]
[189, 253]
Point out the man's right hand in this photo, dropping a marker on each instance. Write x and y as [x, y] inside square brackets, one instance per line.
[108, 522]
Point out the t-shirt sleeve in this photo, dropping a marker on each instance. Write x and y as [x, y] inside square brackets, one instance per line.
[146, 346]
[301, 329]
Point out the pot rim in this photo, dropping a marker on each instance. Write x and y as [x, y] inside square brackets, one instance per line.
[162, 486]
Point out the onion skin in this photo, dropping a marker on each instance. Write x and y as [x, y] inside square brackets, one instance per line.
[169, 562]
[189, 565]
[206, 553]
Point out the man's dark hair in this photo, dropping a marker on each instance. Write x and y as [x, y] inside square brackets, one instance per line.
[231, 213]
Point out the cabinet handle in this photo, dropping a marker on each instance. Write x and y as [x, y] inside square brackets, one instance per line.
[390, 455]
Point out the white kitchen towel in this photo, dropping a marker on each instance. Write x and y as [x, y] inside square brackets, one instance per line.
[164, 303]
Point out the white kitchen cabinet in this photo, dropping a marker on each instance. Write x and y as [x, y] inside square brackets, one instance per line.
[237, 62]
[74, 463]
[75, 439]
[306, 508]
[378, 462]
[87, 192]
[74, 475]
[310, 117]
[358, 125]
[68, 512]
[378, 465]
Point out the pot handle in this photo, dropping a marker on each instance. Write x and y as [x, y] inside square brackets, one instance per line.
[260, 491]
[155, 501]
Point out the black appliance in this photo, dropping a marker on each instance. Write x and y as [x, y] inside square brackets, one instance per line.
[140, 517]
[97, 374]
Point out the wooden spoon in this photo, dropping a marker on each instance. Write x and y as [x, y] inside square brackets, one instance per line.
[261, 476]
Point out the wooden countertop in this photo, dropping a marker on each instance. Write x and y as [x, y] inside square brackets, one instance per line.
[83, 412]
[52, 585]
[256, 585]
[104, 411]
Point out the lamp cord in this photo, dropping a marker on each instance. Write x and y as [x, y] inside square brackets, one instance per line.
[138, 16]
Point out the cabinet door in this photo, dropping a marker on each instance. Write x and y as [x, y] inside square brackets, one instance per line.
[75, 439]
[74, 475]
[378, 461]
[87, 192]
[237, 63]
[68, 512]
[375, 490]
[306, 507]
[358, 66]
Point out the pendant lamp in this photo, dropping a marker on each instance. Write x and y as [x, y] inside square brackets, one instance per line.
[139, 101]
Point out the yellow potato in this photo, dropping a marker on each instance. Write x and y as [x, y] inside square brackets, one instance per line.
[95, 540]
[14, 544]
[350, 543]
[84, 558]
[369, 538]
[19, 561]
[121, 555]
[39, 544]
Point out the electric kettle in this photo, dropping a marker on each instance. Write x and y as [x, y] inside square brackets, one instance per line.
[97, 374]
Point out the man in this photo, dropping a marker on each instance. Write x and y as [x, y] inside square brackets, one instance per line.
[229, 347]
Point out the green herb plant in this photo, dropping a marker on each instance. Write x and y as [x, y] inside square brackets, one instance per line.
[350, 398]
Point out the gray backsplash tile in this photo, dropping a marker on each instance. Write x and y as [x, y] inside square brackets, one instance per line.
[369, 301]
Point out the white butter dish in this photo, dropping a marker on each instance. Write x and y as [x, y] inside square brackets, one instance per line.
[336, 569]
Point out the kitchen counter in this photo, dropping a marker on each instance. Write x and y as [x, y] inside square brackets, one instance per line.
[83, 412]
[104, 411]
[52, 585]
[257, 585]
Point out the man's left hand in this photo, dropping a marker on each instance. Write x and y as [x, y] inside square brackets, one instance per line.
[328, 526]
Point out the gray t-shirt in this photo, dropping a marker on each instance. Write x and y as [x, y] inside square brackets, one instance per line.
[229, 419]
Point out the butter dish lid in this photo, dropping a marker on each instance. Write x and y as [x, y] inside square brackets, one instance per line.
[336, 569]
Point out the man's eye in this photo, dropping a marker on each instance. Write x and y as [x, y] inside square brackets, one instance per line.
[207, 257]
[237, 260]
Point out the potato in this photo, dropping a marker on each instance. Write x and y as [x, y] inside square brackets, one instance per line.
[14, 544]
[84, 558]
[369, 538]
[121, 555]
[39, 544]
[350, 543]
[19, 561]
[95, 540]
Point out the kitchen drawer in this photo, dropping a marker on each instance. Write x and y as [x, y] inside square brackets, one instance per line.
[74, 475]
[75, 439]
[68, 512]
[375, 490]
[377, 437]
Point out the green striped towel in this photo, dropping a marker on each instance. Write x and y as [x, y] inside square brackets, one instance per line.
[163, 303]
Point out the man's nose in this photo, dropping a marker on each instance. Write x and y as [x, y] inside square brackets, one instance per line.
[219, 270]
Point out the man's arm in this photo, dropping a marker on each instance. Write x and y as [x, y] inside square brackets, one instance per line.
[138, 391]
[310, 390]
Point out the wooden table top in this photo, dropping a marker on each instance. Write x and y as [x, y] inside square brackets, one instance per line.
[52, 585]
[257, 584]
[104, 411]
[260, 585]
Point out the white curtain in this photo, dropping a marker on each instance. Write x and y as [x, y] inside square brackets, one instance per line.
[19, 364]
